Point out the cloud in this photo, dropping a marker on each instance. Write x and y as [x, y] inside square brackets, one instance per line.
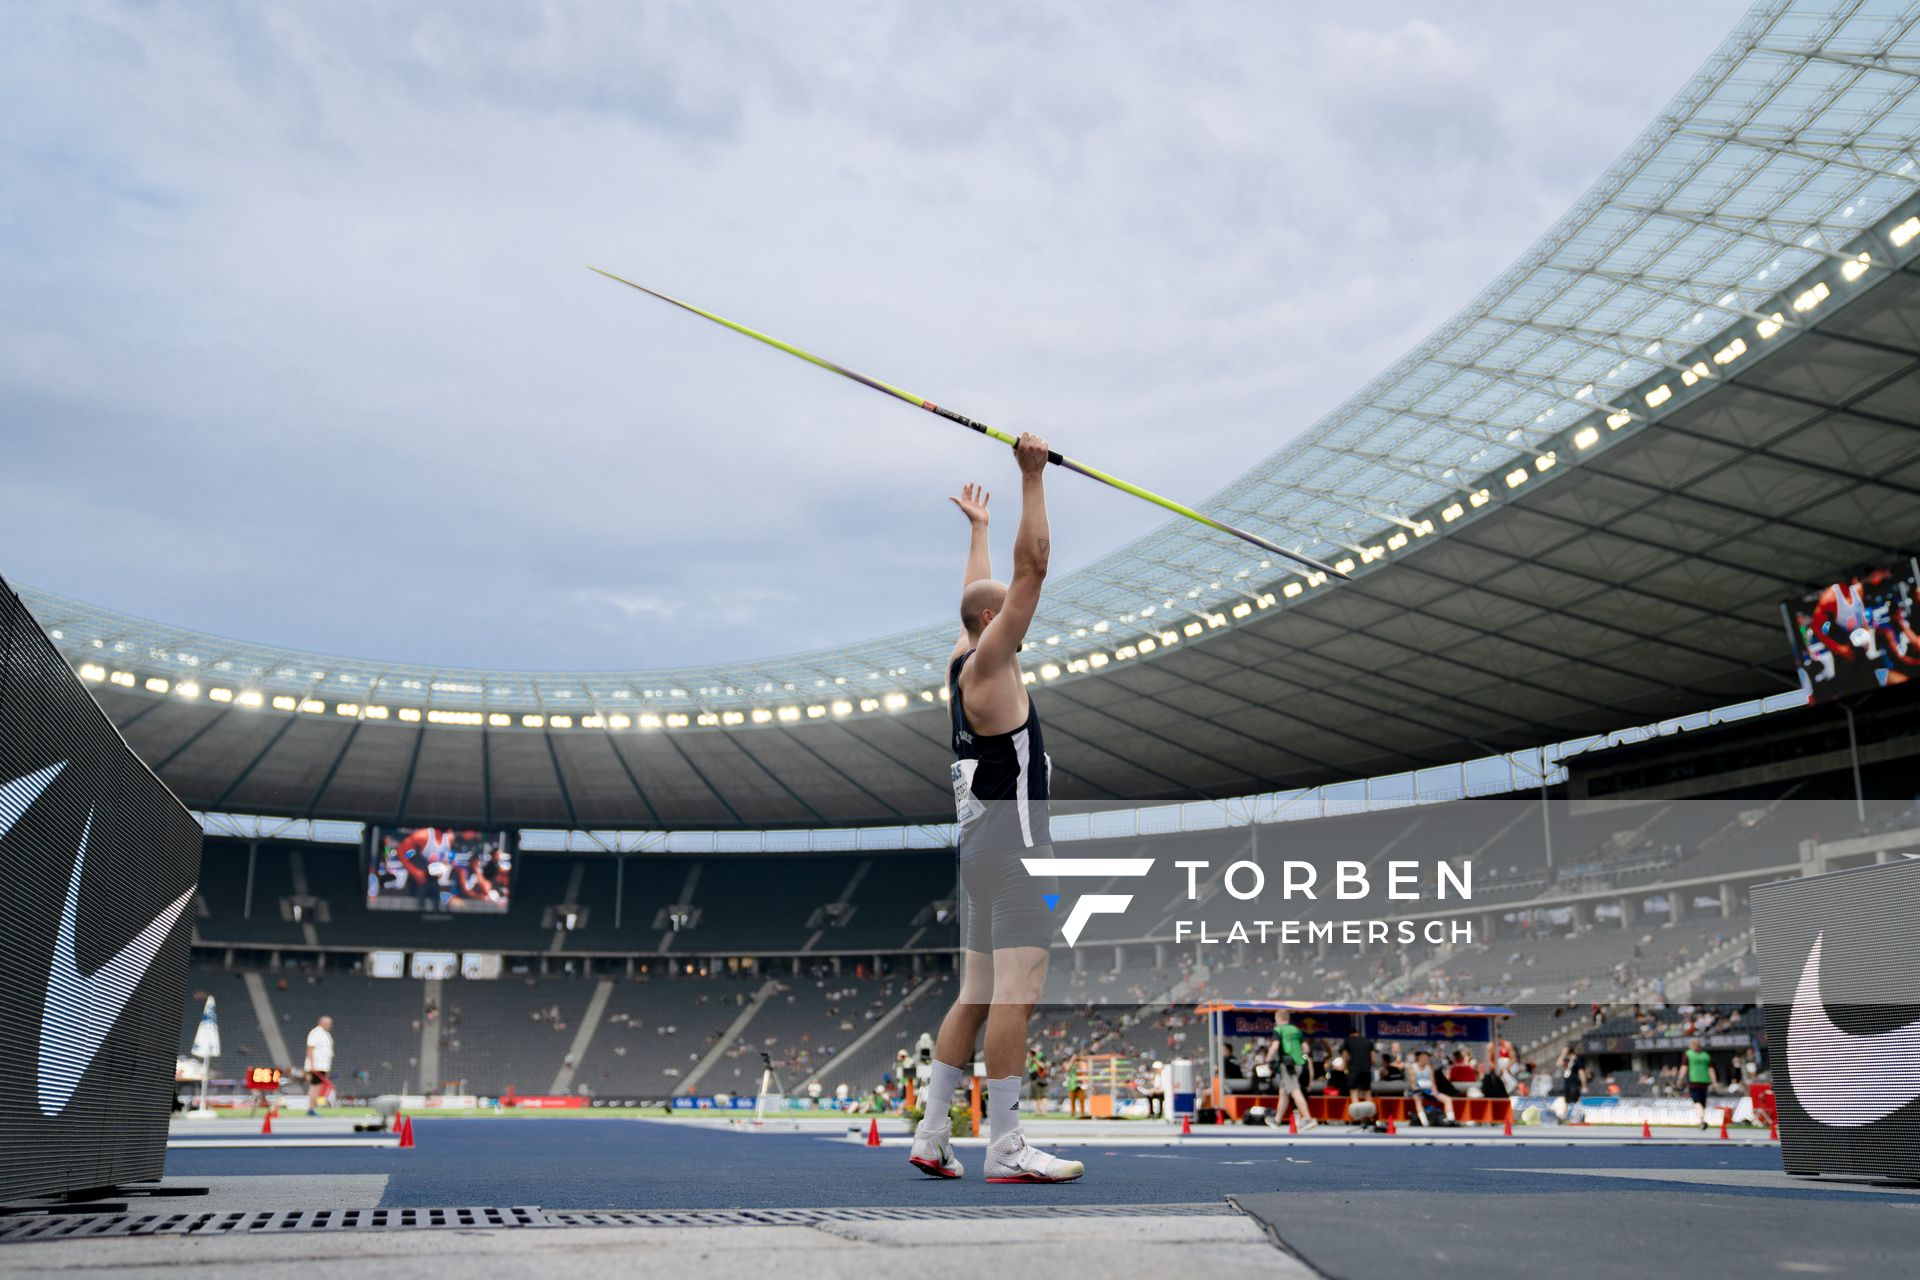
[299, 337]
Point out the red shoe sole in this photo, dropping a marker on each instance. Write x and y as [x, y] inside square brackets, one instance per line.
[1034, 1177]
[931, 1169]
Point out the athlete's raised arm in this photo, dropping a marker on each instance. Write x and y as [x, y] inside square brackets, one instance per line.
[1001, 639]
[973, 505]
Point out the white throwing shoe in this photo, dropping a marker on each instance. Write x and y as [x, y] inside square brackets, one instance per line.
[1012, 1160]
[933, 1150]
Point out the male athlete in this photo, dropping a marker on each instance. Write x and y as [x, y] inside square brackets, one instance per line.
[1000, 798]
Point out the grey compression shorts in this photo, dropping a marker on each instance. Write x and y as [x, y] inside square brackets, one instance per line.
[1000, 905]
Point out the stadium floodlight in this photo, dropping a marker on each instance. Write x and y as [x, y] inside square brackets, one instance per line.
[895, 701]
[762, 715]
[1242, 609]
[1096, 660]
[1452, 511]
[1344, 567]
[312, 706]
[157, 684]
[789, 714]
[92, 671]
[248, 698]
[843, 708]
[351, 710]
[1770, 326]
[1480, 497]
[676, 720]
[1858, 267]
[410, 714]
[186, 689]
[533, 722]
[1193, 628]
[1545, 462]
[1516, 477]
[1585, 438]
[500, 720]
[1147, 644]
[1812, 297]
[732, 717]
[595, 721]
[1659, 396]
[1291, 590]
[1731, 352]
[1905, 232]
[619, 722]
[1396, 542]
[560, 722]
[281, 702]
[1053, 456]
[374, 712]
[219, 694]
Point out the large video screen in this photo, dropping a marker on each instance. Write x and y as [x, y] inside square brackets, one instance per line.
[98, 863]
[438, 869]
[1860, 632]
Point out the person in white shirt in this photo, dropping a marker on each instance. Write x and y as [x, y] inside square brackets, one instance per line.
[319, 1070]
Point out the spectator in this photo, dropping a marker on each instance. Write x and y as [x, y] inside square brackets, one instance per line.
[1423, 1089]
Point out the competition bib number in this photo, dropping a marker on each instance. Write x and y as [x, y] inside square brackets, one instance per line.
[966, 806]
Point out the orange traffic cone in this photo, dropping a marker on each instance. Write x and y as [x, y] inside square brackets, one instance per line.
[1186, 1126]
[873, 1133]
[1506, 1130]
[266, 1124]
[406, 1133]
[1646, 1129]
[1391, 1130]
[1773, 1128]
[1293, 1122]
[1723, 1126]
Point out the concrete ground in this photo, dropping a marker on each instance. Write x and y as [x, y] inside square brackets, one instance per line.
[716, 1199]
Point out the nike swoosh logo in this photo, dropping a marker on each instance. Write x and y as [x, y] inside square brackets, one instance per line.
[1839, 1078]
[81, 1009]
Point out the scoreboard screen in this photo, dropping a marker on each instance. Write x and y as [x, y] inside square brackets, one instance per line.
[438, 869]
[1858, 633]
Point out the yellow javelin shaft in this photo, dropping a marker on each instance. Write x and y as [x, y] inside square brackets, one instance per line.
[1053, 456]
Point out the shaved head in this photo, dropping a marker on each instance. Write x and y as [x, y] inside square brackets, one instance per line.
[978, 599]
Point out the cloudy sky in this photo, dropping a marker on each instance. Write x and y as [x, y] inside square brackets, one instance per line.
[297, 343]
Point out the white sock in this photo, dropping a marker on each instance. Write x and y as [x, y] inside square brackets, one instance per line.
[1003, 1107]
[940, 1090]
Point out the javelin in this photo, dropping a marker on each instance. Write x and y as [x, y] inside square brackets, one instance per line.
[1053, 456]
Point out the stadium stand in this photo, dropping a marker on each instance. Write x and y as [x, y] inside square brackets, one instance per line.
[512, 1033]
[655, 1030]
[376, 1026]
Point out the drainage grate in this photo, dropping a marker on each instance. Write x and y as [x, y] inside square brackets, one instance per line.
[87, 1226]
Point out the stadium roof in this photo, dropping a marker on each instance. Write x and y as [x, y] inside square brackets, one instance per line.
[1575, 506]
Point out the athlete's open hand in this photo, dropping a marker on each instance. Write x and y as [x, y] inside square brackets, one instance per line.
[1031, 453]
[973, 503]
